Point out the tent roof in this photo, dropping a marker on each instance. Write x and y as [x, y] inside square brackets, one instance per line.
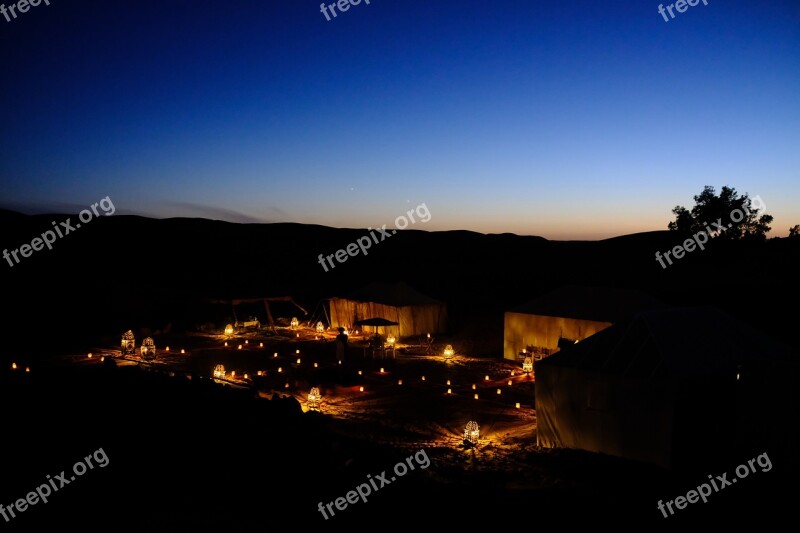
[590, 303]
[682, 342]
[395, 294]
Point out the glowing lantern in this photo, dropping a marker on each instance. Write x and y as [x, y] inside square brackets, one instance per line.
[391, 340]
[527, 365]
[476, 396]
[102, 358]
[297, 335]
[233, 373]
[286, 386]
[298, 360]
[297, 351]
[320, 328]
[226, 344]
[474, 387]
[315, 365]
[499, 391]
[486, 378]
[258, 373]
[448, 382]
[381, 370]
[183, 351]
[219, 371]
[260, 344]
[360, 373]
[399, 381]
[313, 399]
[449, 391]
[13, 366]
[247, 342]
[167, 348]
[128, 346]
[280, 369]
[148, 348]
[295, 322]
[429, 335]
[229, 329]
[275, 354]
[423, 378]
[517, 406]
[509, 382]
[240, 347]
[448, 352]
[361, 389]
[472, 433]
[27, 369]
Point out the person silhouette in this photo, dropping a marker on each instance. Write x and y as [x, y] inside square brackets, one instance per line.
[341, 346]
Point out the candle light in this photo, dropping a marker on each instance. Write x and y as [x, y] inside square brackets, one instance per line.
[509, 382]
[240, 347]
[486, 378]
[423, 378]
[449, 391]
[474, 386]
[399, 381]
[183, 351]
[90, 355]
[517, 405]
[448, 382]
[476, 396]
[499, 391]
[315, 365]
[167, 348]
[280, 369]
[260, 344]
[361, 389]
[381, 370]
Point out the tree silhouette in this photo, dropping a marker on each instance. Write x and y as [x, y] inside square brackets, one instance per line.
[728, 216]
[794, 231]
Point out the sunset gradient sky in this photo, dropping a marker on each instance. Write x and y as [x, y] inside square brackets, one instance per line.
[571, 120]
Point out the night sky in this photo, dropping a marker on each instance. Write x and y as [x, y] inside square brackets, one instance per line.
[566, 119]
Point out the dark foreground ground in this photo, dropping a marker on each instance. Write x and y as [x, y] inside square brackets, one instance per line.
[193, 456]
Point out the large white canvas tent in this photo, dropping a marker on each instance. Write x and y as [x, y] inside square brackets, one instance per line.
[670, 387]
[416, 313]
[566, 315]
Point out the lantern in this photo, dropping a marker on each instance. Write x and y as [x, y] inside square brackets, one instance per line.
[517, 405]
[294, 322]
[240, 347]
[320, 328]
[219, 372]
[361, 389]
[472, 433]
[449, 391]
[391, 340]
[476, 396]
[448, 382]
[13, 366]
[128, 343]
[229, 329]
[486, 378]
[313, 399]
[399, 381]
[148, 348]
[527, 365]
[499, 391]
[448, 352]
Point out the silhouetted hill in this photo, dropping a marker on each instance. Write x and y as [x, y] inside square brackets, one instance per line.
[125, 271]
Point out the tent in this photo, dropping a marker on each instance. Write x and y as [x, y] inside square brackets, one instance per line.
[672, 387]
[416, 313]
[566, 315]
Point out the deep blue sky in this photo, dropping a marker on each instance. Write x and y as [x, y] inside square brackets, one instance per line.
[567, 119]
